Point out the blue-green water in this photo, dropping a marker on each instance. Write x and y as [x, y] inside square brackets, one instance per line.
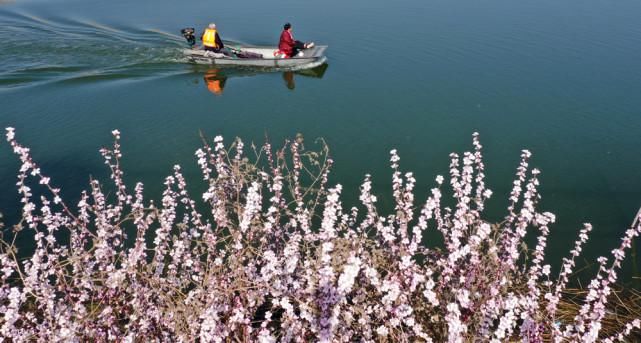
[561, 78]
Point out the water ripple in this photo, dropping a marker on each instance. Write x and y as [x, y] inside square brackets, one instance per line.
[40, 50]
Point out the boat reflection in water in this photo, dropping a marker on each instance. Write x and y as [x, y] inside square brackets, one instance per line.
[288, 76]
[215, 79]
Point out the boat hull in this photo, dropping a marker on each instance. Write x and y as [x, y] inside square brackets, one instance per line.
[311, 57]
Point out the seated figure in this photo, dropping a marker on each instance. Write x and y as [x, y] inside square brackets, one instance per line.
[211, 39]
[290, 47]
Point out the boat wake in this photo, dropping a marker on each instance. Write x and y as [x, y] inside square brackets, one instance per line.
[37, 51]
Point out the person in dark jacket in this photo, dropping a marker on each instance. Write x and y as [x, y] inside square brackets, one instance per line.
[288, 45]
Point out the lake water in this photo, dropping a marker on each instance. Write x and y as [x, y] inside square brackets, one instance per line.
[561, 78]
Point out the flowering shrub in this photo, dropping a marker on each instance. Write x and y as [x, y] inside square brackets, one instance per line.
[268, 253]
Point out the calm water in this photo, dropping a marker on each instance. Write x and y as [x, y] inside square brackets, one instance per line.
[561, 78]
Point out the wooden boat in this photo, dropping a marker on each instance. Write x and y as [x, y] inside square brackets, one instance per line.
[258, 56]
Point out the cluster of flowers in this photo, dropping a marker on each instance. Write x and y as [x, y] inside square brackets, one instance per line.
[268, 253]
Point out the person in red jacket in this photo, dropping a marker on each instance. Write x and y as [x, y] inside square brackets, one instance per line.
[288, 45]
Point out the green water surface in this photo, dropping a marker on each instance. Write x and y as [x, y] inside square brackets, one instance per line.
[560, 78]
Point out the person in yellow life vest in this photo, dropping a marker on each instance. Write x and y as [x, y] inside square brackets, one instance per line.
[211, 39]
[215, 81]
